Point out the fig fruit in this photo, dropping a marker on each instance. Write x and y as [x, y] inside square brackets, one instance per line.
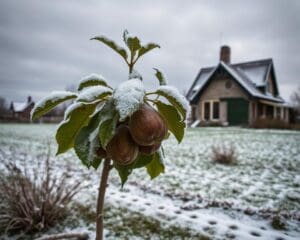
[147, 127]
[121, 147]
[148, 150]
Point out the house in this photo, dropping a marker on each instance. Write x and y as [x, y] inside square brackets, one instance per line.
[21, 110]
[236, 94]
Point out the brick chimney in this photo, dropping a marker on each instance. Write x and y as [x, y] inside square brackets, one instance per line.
[29, 99]
[225, 54]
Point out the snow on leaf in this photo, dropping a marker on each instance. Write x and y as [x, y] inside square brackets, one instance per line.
[87, 141]
[175, 98]
[49, 102]
[128, 97]
[94, 93]
[146, 48]
[135, 74]
[110, 43]
[71, 108]
[69, 128]
[93, 79]
[161, 78]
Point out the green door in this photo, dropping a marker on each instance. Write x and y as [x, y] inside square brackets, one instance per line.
[237, 111]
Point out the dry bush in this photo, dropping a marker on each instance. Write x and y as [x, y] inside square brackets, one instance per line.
[224, 154]
[34, 199]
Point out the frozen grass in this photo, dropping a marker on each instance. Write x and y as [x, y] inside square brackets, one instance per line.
[210, 199]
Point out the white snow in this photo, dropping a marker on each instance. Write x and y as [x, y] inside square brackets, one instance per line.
[93, 93]
[256, 74]
[128, 97]
[175, 94]
[93, 78]
[52, 98]
[266, 177]
[135, 74]
[19, 106]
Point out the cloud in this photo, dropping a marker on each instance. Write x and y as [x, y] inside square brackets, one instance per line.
[45, 45]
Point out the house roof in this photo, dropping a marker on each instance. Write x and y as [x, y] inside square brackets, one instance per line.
[20, 106]
[249, 75]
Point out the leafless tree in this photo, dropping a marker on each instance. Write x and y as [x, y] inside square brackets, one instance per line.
[295, 98]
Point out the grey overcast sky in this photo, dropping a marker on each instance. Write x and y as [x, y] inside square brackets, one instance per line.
[45, 46]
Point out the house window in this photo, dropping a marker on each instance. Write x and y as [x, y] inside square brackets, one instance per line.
[216, 110]
[206, 110]
[211, 110]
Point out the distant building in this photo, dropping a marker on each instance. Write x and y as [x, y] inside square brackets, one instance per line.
[21, 110]
[236, 94]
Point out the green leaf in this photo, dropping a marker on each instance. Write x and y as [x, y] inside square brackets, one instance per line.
[148, 47]
[132, 42]
[87, 141]
[156, 166]
[92, 80]
[172, 118]
[94, 93]
[48, 103]
[142, 160]
[68, 129]
[159, 75]
[107, 129]
[110, 43]
[175, 98]
[123, 171]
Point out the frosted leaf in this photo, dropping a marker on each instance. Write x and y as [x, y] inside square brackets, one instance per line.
[71, 107]
[93, 145]
[51, 101]
[128, 97]
[93, 93]
[175, 98]
[135, 74]
[93, 79]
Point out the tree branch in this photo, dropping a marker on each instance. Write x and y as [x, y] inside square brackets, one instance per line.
[100, 201]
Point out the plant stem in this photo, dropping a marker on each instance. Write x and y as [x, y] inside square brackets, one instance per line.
[100, 201]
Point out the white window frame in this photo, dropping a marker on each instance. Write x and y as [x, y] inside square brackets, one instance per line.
[211, 108]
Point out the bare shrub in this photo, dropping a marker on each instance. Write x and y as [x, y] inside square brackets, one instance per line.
[34, 199]
[224, 154]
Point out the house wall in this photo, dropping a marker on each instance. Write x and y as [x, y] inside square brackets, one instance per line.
[217, 89]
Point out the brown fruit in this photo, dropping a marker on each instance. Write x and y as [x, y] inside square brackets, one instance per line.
[148, 150]
[147, 127]
[101, 153]
[121, 147]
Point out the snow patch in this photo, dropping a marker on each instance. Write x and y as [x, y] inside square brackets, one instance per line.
[92, 93]
[174, 93]
[92, 76]
[128, 97]
[53, 97]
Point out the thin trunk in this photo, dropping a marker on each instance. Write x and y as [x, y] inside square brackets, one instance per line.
[100, 201]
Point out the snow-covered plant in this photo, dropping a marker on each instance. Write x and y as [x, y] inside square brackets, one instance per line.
[123, 127]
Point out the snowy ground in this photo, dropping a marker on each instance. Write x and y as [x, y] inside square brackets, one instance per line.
[194, 195]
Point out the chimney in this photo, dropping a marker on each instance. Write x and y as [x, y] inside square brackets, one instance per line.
[29, 99]
[225, 54]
